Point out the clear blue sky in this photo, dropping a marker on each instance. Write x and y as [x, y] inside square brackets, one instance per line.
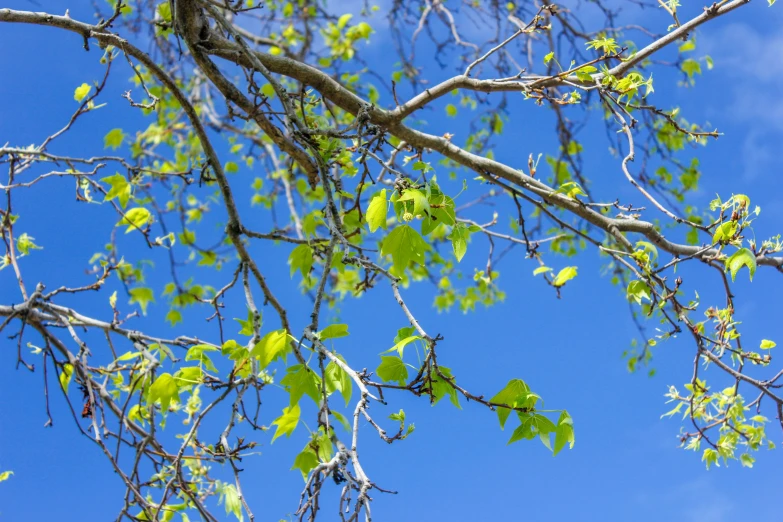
[626, 464]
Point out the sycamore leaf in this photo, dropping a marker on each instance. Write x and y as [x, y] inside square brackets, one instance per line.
[286, 423]
[301, 258]
[638, 290]
[333, 331]
[230, 495]
[338, 379]
[196, 353]
[404, 244]
[740, 258]
[541, 270]
[459, 240]
[515, 394]
[418, 199]
[564, 276]
[188, 375]
[564, 433]
[164, 389]
[584, 73]
[273, 345]
[305, 461]
[376, 211]
[5, 475]
[300, 380]
[400, 346]
[143, 296]
[247, 325]
[441, 387]
[120, 189]
[392, 369]
[571, 189]
[342, 420]
[113, 139]
[724, 232]
[65, 376]
[766, 344]
[25, 243]
[135, 218]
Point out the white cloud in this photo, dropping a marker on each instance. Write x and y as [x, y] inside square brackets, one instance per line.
[697, 500]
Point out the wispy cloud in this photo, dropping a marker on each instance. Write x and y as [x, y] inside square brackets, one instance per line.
[697, 500]
[749, 64]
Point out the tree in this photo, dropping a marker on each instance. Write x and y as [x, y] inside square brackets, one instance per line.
[361, 198]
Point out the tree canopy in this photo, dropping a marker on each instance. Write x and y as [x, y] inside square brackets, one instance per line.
[259, 135]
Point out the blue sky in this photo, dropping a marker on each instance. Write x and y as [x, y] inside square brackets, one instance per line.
[456, 466]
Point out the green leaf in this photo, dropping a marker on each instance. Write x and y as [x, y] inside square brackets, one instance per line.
[135, 218]
[286, 423]
[333, 331]
[25, 243]
[584, 73]
[196, 353]
[273, 345]
[65, 376]
[710, 457]
[338, 379]
[571, 189]
[230, 495]
[208, 258]
[691, 67]
[441, 387]
[564, 276]
[451, 110]
[548, 57]
[113, 139]
[398, 416]
[392, 369]
[649, 248]
[404, 244]
[5, 475]
[301, 258]
[305, 461]
[400, 346]
[564, 433]
[188, 375]
[376, 211]
[766, 344]
[740, 258]
[541, 270]
[419, 200]
[516, 394]
[638, 290]
[81, 92]
[343, 21]
[164, 389]
[143, 296]
[247, 325]
[746, 460]
[300, 380]
[725, 232]
[120, 189]
[459, 236]
[342, 420]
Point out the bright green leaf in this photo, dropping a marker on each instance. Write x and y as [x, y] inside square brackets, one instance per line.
[740, 258]
[286, 423]
[376, 211]
[392, 369]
